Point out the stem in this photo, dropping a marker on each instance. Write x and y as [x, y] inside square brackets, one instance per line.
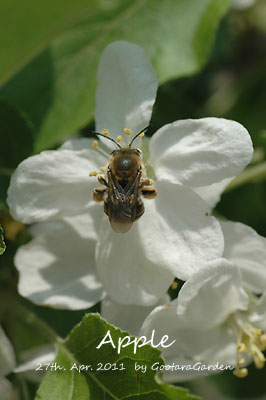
[6, 171]
[252, 174]
[32, 319]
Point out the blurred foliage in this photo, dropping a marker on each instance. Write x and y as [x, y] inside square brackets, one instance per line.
[16, 138]
[49, 92]
[56, 89]
[26, 27]
[231, 85]
[2, 242]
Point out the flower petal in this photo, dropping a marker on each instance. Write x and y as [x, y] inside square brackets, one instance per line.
[127, 275]
[200, 152]
[57, 268]
[211, 194]
[247, 250]
[127, 89]
[212, 294]
[208, 346]
[43, 354]
[52, 184]
[7, 356]
[177, 230]
[258, 315]
[7, 391]
[128, 317]
[173, 238]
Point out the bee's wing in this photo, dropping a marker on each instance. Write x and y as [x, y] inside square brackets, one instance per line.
[122, 203]
[120, 227]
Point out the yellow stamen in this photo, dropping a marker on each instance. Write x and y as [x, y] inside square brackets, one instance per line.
[241, 373]
[258, 361]
[102, 169]
[127, 131]
[174, 285]
[105, 132]
[241, 361]
[95, 144]
[263, 339]
[119, 138]
[141, 134]
[93, 173]
[241, 347]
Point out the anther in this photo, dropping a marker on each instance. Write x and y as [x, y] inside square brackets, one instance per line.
[95, 144]
[174, 285]
[105, 132]
[93, 173]
[263, 339]
[259, 362]
[241, 347]
[102, 169]
[240, 373]
[119, 138]
[241, 361]
[141, 134]
[127, 131]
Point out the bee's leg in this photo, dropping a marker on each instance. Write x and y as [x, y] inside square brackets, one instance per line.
[146, 182]
[148, 193]
[102, 181]
[98, 194]
[139, 209]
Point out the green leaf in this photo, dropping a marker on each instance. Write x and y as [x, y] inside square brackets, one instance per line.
[57, 88]
[79, 349]
[2, 243]
[16, 138]
[27, 27]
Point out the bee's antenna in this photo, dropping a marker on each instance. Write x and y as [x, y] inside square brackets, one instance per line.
[135, 137]
[107, 137]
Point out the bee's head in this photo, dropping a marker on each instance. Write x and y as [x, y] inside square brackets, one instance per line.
[125, 162]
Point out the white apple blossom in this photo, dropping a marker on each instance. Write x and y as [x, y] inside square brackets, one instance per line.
[216, 318]
[175, 235]
[213, 320]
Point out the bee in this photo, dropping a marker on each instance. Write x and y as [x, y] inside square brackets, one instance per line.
[125, 184]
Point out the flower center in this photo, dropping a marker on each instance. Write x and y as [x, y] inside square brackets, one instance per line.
[251, 343]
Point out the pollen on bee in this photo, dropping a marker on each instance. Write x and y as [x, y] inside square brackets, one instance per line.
[93, 173]
[102, 169]
[127, 131]
[151, 182]
[95, 144]
[119, 138]
[105, 132]
[141, 134]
